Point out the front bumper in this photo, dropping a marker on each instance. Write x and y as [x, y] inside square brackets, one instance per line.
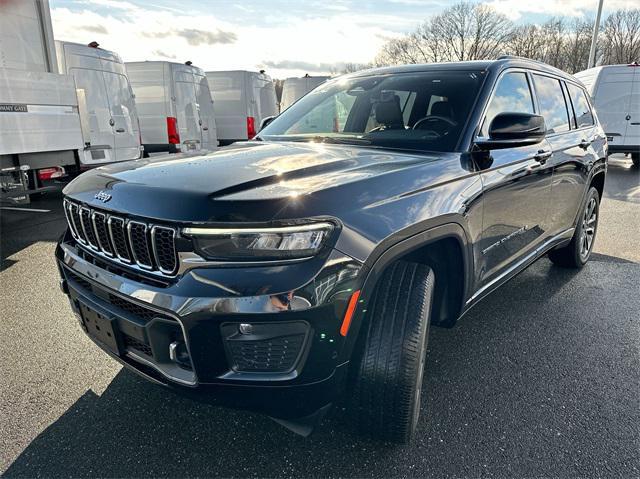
[292, 363]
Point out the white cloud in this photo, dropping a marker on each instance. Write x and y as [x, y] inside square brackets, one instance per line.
[518, 9]
[137, 34]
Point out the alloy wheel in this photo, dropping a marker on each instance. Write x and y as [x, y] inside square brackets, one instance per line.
[589, 224]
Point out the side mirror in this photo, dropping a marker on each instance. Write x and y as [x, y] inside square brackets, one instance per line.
[510, 130]
[265, 121]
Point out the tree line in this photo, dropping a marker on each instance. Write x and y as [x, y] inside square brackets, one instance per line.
[471, 31]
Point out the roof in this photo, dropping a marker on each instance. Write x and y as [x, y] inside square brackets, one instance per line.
[474, 65]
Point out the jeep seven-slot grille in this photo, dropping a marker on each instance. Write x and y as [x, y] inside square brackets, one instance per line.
[150, 247]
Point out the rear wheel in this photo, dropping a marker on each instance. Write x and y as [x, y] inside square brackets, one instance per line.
[635, 157]
[385, 401]
[577, 253]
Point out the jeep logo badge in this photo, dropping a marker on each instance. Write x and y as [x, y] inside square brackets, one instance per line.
[102, 196]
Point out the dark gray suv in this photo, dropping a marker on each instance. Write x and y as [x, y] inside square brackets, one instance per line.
[285, 273]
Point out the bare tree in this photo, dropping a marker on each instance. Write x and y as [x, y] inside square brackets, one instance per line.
[465, 31]
[577, 45]
[620, 39]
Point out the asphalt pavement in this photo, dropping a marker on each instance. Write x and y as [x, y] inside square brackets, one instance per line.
[540, 379]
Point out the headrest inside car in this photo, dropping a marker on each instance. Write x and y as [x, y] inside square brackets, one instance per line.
[388, 112]
[442, 108]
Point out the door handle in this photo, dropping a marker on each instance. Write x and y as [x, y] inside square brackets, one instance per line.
[542, 156]
[628, 117]
[204, 128]
[584, 144]
[119, 130]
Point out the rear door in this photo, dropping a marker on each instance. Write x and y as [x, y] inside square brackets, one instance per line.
[187, 115]
[101, 133]
[206, 113]
[632, 135]
[123, 116]
[612, 100]
[572, 143]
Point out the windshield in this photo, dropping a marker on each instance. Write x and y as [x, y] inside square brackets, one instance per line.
[418, 111]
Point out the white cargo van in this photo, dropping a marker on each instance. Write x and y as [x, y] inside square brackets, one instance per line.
[615, 90]
[175, 106]
[105, 94]
[40, 126]
[295, 88]
[242, 100]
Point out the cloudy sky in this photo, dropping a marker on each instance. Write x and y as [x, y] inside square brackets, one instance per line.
[285, 37]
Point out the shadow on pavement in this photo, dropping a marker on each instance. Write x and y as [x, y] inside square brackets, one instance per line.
[20, 228]
[623, 180]
[509, 391]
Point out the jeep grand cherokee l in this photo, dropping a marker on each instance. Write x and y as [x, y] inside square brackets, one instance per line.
[304, 267]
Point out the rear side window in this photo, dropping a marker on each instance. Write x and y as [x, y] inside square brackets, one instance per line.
[552, 104]
[584, 117]
[512, 94]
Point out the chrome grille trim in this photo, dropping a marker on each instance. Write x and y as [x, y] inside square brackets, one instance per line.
[74, 210]
[125, 259]
[112, 237]
[139, 261]
[89, 233]
[154, 230]
[108, 248]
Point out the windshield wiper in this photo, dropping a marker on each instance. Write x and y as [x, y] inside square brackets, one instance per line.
[342, 141]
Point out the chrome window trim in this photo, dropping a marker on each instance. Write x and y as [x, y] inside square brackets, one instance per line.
[95, 228]
[84, 228]
[155, 252]
[124, 259]
[148, 267]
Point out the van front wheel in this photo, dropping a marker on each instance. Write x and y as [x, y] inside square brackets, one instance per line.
[385, 400]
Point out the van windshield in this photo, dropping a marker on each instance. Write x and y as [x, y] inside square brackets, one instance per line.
[418, 111]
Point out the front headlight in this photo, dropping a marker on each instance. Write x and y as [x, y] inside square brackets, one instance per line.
[260, 244]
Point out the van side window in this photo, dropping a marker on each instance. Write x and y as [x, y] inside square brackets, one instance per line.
[512, 94]
[584, 117]
[552, 103]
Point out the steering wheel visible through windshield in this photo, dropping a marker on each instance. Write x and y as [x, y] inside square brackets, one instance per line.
[420, 111]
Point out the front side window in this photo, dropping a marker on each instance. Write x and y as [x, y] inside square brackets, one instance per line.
[424, 111]
[512, 94]
[584, 117]
[552, 104]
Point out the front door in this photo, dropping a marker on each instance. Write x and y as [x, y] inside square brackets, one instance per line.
[516, 186]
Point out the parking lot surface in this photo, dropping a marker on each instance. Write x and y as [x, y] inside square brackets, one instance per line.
[540, 379]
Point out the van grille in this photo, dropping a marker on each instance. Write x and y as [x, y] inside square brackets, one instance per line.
[150, 247]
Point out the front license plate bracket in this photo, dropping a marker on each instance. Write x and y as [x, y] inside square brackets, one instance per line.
[101, 327]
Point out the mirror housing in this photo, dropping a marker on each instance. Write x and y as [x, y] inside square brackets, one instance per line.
[511, 130]
[265, 121]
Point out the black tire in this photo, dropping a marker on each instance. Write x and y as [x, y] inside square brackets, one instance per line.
[385, 400]
[577, 252]
[635, 157]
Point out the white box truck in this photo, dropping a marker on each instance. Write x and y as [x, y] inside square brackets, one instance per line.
[615, 90]
[295, 88]
[106, 101]
[40, 131]
[242, 100]
[174, 106]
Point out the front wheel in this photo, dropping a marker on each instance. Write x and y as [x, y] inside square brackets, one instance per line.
[577, 252]
[385, 401]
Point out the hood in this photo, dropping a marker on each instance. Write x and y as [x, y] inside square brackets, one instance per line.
[248, 182]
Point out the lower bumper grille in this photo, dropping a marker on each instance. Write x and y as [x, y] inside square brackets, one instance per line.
[269, 348]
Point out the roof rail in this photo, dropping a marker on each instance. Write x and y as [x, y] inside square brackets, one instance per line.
[516, 57]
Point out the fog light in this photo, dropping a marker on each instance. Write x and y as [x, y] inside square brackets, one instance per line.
[245, 328]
